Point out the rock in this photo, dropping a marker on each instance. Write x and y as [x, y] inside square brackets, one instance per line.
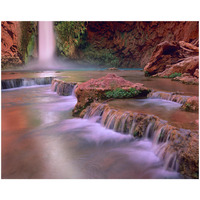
[190, 80]
[134, 42]
[188, 47]
[15, 42]
[192, 104]
[95, 89]
[62, 88]
[196, 73]
[171, 143]
[188, 65]
[164, 54]
[113, 68]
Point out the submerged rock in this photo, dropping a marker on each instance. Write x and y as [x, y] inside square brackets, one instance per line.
[95, 90]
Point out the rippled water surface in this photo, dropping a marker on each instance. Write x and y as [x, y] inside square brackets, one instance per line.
[41, 139]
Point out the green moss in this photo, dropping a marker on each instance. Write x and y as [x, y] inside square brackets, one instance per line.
[27, 39]
[187, 106]
[70, 36]
[121, 93]
[100, 56]
[175, 75]
[147, 74]
[136, 133]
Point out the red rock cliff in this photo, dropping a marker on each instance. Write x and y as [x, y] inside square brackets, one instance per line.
[18, 42]
[10, 43]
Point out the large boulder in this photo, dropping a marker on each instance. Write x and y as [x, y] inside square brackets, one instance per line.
[164, 54]
[95, 90]
[187, 65]
[170, 58]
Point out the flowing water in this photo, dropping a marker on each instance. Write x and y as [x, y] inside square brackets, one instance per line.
[46, 41]
[41, 139]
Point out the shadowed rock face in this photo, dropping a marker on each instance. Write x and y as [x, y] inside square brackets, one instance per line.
[177, 147]
[95, 89]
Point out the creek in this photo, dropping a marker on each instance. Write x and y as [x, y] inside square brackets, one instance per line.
[41, 139]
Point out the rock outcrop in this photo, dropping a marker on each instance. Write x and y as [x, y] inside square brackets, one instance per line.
[18, 42]
[95, 90]
[175, 59]
[10, 53]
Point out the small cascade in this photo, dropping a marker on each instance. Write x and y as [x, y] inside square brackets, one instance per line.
[170, 96]
[62, 88]
[141, 126]
[24, 82]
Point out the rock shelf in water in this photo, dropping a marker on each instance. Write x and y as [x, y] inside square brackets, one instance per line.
[95, 90]
[62, 88]
[177, 147]
[14, 83]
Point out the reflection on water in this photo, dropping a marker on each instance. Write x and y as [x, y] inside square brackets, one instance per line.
[40, 139]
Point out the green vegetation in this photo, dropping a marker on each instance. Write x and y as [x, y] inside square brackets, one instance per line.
[72, 43]
[147, 74]
[175, 75]
[187, 107]
[70, 36]
[27, 39]
[136, 133]
[121, 93]
[100, 56]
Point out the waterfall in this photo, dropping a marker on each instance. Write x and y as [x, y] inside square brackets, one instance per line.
[24, 82]
[144, 126]
[63, 88]
[170, 96]
[46, 41]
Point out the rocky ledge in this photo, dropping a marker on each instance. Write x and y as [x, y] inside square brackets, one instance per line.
[109, 86]
[179, 148]
[62, 88]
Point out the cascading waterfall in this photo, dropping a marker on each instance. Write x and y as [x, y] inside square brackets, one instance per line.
[141, 126]
[23, 82]
[170, 96]
[46, 41]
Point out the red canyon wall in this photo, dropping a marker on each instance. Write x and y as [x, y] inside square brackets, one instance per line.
[18, 42]
[10, 43]
[134, 42]
[131, 42]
